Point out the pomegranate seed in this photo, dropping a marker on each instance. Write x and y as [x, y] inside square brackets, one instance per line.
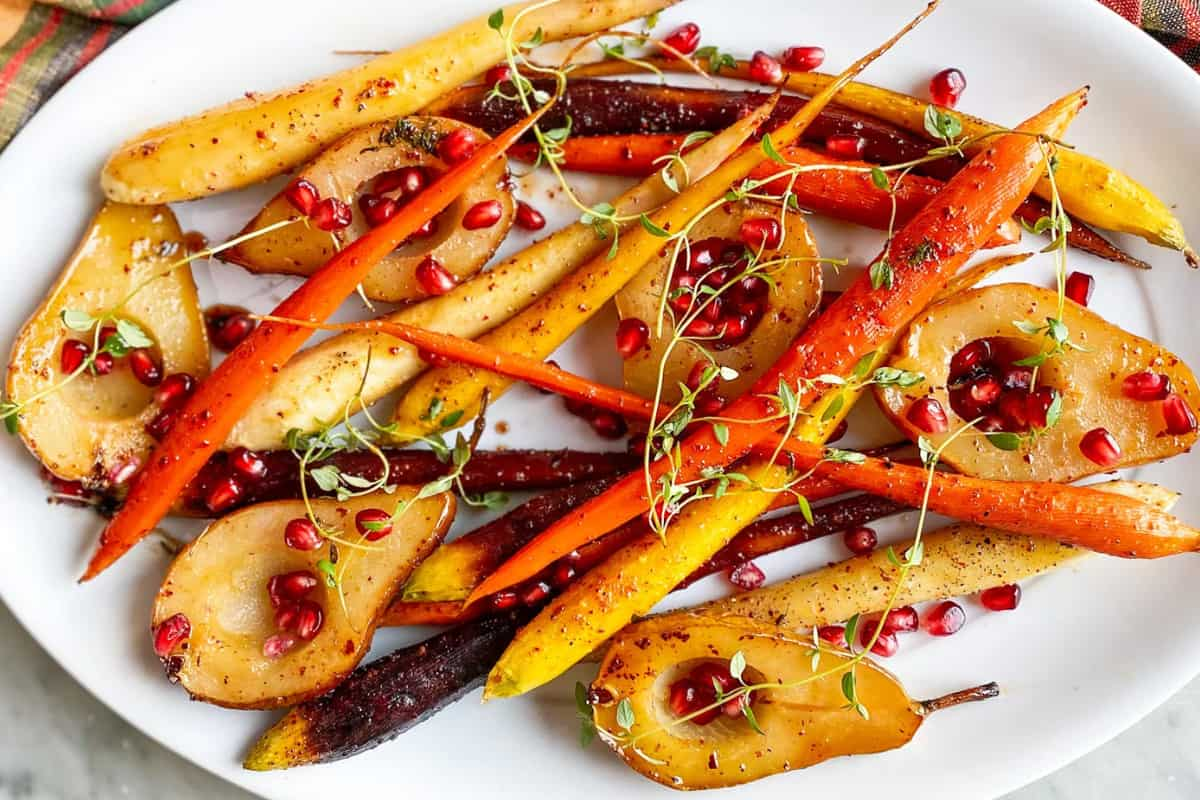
[704, 254]
[497, 74]
[695, 376]
[302, 195]
[223, 494]
[535, 593]
[945, 619]
[901, 620]
[700, 328]
[247, 463]
[408, 180]
[331, 214]
[174, 390]
[1013, 407]
[1001, 598]
[928, 415]
[735, 706]
[286, 616]
[228, 326]
[632, 336]
[1099, 446]
[990, 423]
[1180, 419]
[886, 645]
[502, 601]
[684, 39]
[424, 232]
[107, 332]
[123, 471]
[984, 391]
[1017, 378]
[145, 367]
[609, 424]
[434, 278]
[309, 620]
[302, 534]
[1038, 405]
[377, 209]
[529, 218]
[710, 404]
[733, 330]
[103, 363]
[278, 644]
[1146, 386]
[846, 146]
[483, 214]
[970, 358]
[947, 87]
[458, 145]
[760, 233]
[747, 576]
[1079, 287]
[860, 541]
[290, 586]
[74, 353]
[161, 423]
[682, 697]
[579, 408]
[169, 633]
[834, 634]
[564, 573]
[713, 310]
[710, 673]
[803, 59]
[765, 69]
[373, 523]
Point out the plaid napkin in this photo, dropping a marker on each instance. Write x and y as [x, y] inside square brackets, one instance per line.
[44, 42]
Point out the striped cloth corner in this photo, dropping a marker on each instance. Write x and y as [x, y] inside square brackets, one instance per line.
[45, 42]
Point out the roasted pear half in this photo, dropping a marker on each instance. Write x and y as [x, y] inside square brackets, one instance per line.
[93, 427]
[785, 703]
[373, 169]
[245, 621]
[968, 348]
[745, 327]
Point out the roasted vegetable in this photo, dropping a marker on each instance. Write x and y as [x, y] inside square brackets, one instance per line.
[210, 413]
[93, 428]
[233, 585]
[486, 471]
[360, 167]
[755, 325]
[251, 139]
[1090, 383]
[381, 700]
[797, 715]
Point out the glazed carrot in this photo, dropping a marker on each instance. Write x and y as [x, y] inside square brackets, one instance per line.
[924, 255]
[221, 399]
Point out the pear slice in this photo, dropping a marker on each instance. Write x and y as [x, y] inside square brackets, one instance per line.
[789, 305]
[219, 583]
[804, 718]
[1089, 380]
[95, 425]
[345, 171]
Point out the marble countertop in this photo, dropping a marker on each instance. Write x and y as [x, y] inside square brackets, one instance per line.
[60, 743]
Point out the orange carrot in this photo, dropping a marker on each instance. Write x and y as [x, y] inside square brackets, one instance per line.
[923, 255]
[221, 400]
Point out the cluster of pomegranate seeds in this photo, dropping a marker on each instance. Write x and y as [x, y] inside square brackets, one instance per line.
[713, 262]
[373, 523]
[1178, 415]
[169, 633]
[684, 39]
[944, 619]
[860, 541]
[632, 336]
[458, 145]
[483, 214]
[407, 182]
[228, 326]
[301, 534]
[1099, 447]
[1079, 287]
[928, 415]
[145, 367]
[983, 384]
[803, 59]
[74, 353]
[223, 494]
[433, 277]
[1146, 386]
[765, 69]
[946, 87]
[172, 393]
[607, 424]
[529, 218]
[844, 146]
[747, 576]
[698, 690]
[296, 617]
[247, 463]
[302, 195]
[834, 635]
[886, 644]
[497, 74]
[329, 214]
[1001, 598]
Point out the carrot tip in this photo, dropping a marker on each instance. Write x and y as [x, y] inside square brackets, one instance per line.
[1193, 260]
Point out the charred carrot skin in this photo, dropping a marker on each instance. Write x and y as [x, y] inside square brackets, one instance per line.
[222, 398]
[924, 255]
